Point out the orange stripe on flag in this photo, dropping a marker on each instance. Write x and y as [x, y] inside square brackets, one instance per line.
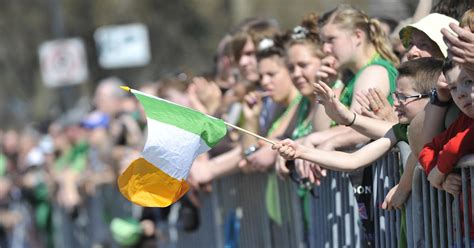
[146, 185]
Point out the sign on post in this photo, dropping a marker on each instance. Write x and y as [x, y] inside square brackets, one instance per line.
[122, 46]
[63, 62]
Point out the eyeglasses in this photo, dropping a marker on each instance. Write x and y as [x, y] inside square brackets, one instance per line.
[403, 98]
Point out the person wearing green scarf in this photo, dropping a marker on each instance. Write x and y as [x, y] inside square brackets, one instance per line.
[276, 83]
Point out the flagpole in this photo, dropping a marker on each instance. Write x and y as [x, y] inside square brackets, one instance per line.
[228, 124]
[252, 134]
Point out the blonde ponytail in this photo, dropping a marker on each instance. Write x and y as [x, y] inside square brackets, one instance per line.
[351, 18]
[380, 41]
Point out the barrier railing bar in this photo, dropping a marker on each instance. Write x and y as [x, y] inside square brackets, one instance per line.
[467, 239]
[376, 189]
[382, 226]
[345, 209]
[388, 231]
[338, 203]
[416, 209]
[333, 219]
[457, 221]
[393, 160]
[442, 218]
[434, 217]
[426, 217]
[471, 170]
[449, 217]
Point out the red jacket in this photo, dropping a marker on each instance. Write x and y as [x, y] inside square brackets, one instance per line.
[449, 146]
[445, 151]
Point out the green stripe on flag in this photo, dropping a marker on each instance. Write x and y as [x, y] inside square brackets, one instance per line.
[210, 129]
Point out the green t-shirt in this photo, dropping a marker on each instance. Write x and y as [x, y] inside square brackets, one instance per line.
[348, 92]
[401, 132]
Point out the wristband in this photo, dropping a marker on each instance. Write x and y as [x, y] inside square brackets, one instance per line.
[353, 120]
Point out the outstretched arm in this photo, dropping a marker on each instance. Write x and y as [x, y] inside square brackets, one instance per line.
[336, 160]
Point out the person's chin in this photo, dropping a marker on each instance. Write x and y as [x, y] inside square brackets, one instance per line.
[469, 111]
[251, 76]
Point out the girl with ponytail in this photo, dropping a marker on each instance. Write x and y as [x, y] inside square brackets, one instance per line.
[356, 43]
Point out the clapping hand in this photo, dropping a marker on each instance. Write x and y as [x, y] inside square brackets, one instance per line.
[375, 105]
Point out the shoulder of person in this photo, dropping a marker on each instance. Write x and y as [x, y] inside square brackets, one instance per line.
[372, 75]
[374, 70]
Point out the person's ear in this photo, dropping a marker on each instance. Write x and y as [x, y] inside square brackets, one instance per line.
[358, 36]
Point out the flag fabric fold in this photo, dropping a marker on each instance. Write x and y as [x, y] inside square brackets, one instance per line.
[176, 136]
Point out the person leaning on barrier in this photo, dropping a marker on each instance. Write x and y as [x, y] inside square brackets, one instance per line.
[414, 82]
[439, 157]
[456, 73]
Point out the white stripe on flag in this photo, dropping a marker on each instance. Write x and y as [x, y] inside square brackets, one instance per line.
[172, 149]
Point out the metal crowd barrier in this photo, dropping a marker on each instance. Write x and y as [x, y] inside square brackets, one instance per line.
[243, 196]
[234, 214]
[386, 172]
[336, 220]
[444, 224]
[207, 235]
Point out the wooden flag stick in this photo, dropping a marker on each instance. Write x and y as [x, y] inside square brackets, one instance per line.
[250, 133]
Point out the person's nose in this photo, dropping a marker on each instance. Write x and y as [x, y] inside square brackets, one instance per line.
[327, 48]
[413, 53]
[265, 81]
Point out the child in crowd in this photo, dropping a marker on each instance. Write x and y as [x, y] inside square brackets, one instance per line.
[440, 156]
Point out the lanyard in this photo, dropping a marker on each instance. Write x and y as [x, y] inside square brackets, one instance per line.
[277, 123]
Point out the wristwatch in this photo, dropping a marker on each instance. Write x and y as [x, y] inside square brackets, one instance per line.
[435, 100]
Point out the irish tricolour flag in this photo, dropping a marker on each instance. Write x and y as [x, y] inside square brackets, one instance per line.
[176, 136]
